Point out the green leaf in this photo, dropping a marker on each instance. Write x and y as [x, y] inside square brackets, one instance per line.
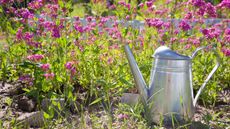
[46, 115]
[125, 82]
[95, 101]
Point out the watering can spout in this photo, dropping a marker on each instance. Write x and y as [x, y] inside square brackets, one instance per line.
[138, 78]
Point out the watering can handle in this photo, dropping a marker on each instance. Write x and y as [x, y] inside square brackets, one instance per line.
[210, 74]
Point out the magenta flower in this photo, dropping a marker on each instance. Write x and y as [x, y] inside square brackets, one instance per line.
[227, 31]
[45, 67]
[19, 34]
[35, 4]
[211, 10]
[141, 5]
[149, 3]
[69, 65]
[128, 6]
[211, 33]
[24, 13]
[49, 75]
[184, 25]
[112, 7]
[224, 4]
[226, 51]
[79, 28]
[35, 57]
[121, 2]
[198, 3]
[127, 17]
[188, 16]
[28, 36]
[155, 23]
[6, 1]
[56, 32]
[123, 116]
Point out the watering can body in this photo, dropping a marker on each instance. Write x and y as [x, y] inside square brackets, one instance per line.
[169, 96]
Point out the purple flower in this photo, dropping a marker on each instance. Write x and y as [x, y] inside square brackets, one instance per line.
[24, 13]
[227, 31]
[6, 1]
[69, 65]
[56, 32]
[198, 3]
[149, 3]
[188, 15]
[35, 4]
[155, 23]
[79, 28]
[184, 25]
[211, 10]
[19, 34]
[28, 36]
[226, 51]
[211, 33]
[201, 11]
[224, 4]
[26, 79]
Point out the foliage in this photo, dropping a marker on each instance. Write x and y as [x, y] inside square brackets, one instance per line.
[58, 56]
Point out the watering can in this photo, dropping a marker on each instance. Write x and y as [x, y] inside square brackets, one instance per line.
[170, 93]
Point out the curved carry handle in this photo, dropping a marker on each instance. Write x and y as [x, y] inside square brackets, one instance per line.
[211, 73]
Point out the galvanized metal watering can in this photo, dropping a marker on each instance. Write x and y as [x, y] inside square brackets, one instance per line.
[170, 92]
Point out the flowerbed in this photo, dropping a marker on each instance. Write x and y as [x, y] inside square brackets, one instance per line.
[57, 57]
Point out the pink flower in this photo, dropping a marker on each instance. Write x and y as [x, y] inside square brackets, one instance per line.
[188, 15]
[123, 116]
[141, 5]
[226, 51]
[35, 4]
[155, 23]
[211, 33]
[149, 3]
[187, 46]
[49, 75]
[56, 32]
[121, 2]
[184, 25]
[69, 65]
[198, 3]
[211, 10]
[35, 57]
[45, 67]
[28, 36]
[24, 13]
[19, 34]
[127, 17]
[224, 4]
[79, 28]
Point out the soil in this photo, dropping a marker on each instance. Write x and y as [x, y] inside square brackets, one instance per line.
[15, 105]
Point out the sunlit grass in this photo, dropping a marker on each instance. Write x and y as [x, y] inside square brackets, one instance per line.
[78, 10]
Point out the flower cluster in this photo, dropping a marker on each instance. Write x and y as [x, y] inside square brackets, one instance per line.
[35, 57]
[211, 33]
[184, 25]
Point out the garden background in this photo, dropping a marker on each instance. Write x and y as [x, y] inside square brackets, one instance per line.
[64, 60]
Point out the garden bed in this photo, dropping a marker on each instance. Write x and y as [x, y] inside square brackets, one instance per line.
[21, 111]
